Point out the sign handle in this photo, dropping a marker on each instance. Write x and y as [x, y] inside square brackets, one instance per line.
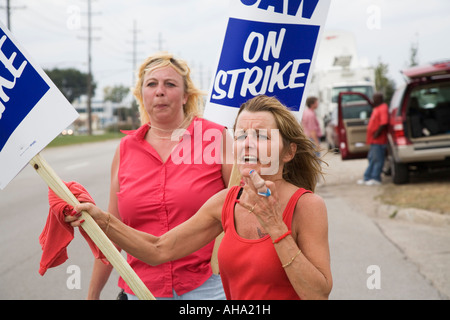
[235, 179]
[92, 229]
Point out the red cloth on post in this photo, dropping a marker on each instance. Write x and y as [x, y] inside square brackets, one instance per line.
[57, 233]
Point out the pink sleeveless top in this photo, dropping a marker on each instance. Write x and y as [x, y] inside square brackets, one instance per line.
[251, 269]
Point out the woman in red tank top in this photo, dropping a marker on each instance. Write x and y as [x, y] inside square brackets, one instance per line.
[276, 231]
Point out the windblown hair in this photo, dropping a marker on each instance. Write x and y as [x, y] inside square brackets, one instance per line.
[194, 104]
[305, 168]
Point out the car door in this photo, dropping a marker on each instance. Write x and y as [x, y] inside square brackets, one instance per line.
[354, 110]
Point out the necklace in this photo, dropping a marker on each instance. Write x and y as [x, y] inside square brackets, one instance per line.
[175, 133]
[161, 137]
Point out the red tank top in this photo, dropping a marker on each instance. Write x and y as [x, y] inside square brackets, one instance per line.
[251, 269]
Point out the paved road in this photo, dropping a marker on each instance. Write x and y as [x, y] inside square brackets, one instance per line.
[398, 269]
[413, 258]
[360, 249]
[23, 213]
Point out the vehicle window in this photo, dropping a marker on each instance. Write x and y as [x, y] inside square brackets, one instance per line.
[359, 111]
[431, 96]
[429, 110]
[366, 90]
[397, 98]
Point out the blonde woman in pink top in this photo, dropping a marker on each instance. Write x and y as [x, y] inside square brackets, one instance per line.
[156, 170]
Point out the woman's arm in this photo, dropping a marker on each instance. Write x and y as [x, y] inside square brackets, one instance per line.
[180, 241]
[309, 272]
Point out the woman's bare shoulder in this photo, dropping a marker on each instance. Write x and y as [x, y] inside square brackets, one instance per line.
[310, 207]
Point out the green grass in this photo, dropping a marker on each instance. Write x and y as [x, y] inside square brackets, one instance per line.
[76, 139]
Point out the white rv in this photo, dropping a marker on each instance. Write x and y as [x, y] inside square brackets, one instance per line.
[338, 69]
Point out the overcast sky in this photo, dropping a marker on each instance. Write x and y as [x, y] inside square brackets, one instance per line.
[54, 32]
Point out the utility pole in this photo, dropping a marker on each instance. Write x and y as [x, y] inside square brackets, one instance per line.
[8, 13]
[134, 106]
[89, 62]
[160, 42]
[89, 77]
[135, 52]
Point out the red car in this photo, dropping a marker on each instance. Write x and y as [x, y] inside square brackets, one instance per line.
[419, 128]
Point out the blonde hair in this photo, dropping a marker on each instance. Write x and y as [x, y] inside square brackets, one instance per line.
[194, 105]
[305, 168]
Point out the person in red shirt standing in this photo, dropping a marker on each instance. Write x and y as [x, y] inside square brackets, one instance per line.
[377, 138]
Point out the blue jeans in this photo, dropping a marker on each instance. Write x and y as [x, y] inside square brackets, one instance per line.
[376, 162]
[211, 289]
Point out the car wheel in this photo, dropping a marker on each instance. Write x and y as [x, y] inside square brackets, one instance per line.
[399, 172]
